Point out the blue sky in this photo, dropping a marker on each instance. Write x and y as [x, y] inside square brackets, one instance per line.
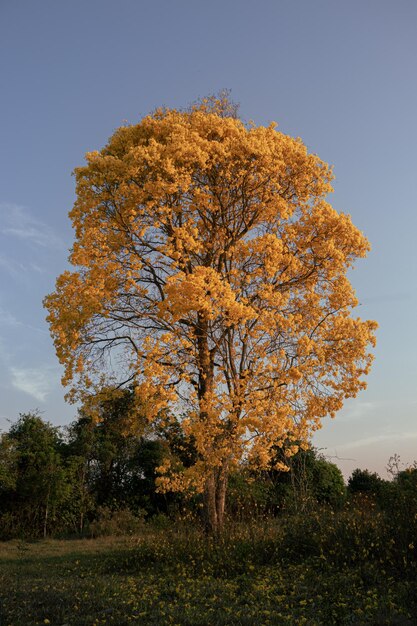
[341, 75]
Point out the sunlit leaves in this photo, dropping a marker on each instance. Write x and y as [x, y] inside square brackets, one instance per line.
[210, 274]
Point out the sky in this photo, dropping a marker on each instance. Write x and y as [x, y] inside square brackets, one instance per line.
[341, 75]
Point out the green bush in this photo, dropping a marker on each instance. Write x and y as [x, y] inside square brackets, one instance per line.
[249, 495]
[116, 522]
[159, 521]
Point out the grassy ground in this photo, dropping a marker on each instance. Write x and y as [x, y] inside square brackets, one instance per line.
[162, 577]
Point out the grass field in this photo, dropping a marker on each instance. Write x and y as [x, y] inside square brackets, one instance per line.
[252, 577]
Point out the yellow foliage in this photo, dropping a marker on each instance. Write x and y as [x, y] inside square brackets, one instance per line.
[210, 273]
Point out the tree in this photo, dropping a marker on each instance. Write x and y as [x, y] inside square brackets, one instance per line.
[100, 450]
[328, 484]
[40, 484]
[210, 274]
[311, 479]
[8, 465]
[364, 481]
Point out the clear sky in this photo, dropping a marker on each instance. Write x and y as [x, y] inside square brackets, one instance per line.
[342, 75]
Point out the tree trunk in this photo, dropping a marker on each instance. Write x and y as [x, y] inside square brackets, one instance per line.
[221, 494]
[45, 518]
[215, 500]
[210, 509]
[216, 482]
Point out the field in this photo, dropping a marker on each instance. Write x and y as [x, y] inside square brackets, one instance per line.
[259, 574]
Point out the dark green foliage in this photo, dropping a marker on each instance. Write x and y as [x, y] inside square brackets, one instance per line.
[249, 495]
[8, 467]
[364, 481]
[310, 480]
[407, 480]
[38, 486]
[399, 501]
[328, 486]
[110, 522]
[56, 484]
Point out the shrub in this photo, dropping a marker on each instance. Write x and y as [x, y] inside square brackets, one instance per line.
[248, 495]
[116, 522]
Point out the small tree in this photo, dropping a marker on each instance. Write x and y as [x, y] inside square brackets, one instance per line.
[327, 483]
[364, 481]
[210, 274]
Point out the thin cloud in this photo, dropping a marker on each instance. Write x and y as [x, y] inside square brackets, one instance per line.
[369, 441]
[17, 222]
[37, 268]
[17, 269]
[4, 353]
[357, 409]
[8, 319]
[34, 382]
[11, 267]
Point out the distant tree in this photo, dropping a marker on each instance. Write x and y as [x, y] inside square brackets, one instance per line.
[407, 478]
[210, 274]
[104, 442]
[40, 484]
[8, 466]
[364, 481]
[79, 454]
[116, 465]
[310, 479]
[399, 501]
[394, 465]
[328, 485]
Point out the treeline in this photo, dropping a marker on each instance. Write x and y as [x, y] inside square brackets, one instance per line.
[98, 475]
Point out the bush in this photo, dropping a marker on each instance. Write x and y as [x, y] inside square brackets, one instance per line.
[116, 522]
[159, 521]
[248, 495]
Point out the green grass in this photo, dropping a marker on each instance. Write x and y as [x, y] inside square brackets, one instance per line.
[252, 577]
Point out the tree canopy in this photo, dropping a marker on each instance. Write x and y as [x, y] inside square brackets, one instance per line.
[210, 275]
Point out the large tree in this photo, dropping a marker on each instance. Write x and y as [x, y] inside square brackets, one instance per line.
[210, 274]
